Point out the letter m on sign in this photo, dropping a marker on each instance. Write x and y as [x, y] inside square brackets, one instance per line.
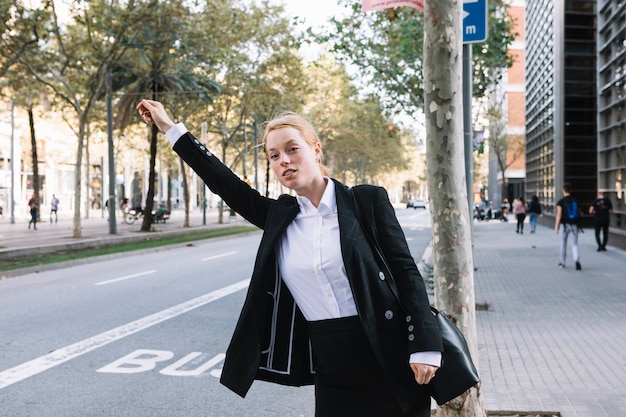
[369, 5]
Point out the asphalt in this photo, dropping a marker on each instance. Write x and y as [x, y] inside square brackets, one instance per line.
[550, 340]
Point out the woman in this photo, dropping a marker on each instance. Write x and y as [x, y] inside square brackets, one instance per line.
[318, 309]
[534, 211]
[519, 210]
[34, 212]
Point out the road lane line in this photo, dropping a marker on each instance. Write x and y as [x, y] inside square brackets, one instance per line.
[219, 256]
[139, 274]
[67, 353]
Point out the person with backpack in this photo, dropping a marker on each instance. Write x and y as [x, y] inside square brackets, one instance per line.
[566, 222]
[601, 208]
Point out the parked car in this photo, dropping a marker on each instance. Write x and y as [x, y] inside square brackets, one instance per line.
[416, 203]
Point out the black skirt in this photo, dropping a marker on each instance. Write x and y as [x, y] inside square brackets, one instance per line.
[349, 381]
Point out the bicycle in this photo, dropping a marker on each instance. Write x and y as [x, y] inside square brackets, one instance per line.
[131, 215]
[134, 214]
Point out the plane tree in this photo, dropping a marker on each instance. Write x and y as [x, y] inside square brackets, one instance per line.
[159, 66]
[73, 60]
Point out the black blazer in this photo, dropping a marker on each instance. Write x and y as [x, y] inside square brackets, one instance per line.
[270, 341]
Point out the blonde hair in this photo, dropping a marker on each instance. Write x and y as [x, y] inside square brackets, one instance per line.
[302, 125]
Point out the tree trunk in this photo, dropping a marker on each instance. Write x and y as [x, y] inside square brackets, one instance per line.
[35, 159]
[78, 175]
[168, 204]
[146, 225]
[452, 246]
[88, 176]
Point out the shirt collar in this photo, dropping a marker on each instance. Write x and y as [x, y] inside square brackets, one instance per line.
[328, 203]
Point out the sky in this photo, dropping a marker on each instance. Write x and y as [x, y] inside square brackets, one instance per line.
[316, 12]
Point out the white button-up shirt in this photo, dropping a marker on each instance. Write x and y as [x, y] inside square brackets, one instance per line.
[310, 261]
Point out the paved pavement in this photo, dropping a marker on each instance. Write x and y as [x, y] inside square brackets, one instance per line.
[18, 239]
[551, 339]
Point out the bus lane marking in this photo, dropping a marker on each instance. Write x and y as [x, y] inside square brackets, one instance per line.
[67, 353]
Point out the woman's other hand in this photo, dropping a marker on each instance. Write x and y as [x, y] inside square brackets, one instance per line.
[423, 373]
[154, 113]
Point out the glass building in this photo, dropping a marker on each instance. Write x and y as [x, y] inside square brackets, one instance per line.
[561, 98]
[611, 152]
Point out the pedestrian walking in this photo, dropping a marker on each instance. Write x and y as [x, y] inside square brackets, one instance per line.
[534, 211]
[319, 310]
[54, 206]
[519, 210]
[33, 205]
[566, 223]
[601, 208]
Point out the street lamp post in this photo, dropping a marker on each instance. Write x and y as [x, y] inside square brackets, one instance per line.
[204, 128]
[12, 196]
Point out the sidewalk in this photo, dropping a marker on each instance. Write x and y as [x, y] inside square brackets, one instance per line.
[551, 339]
[18, 240]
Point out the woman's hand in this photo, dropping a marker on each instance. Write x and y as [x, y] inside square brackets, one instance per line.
[154, 113]
[423, 373]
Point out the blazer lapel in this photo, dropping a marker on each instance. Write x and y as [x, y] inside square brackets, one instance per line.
[349, 230]
[283, 213]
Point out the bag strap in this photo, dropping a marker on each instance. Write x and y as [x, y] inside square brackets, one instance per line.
[371, 238]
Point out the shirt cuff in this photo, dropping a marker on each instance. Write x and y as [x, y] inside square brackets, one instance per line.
[175, 132]
[426, 358]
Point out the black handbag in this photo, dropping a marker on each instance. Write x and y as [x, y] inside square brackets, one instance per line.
[457, 373]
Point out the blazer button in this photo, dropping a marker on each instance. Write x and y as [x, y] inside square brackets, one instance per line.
[411, 327]
[408, 319]
[381, 275]
[411, 338]
[388, 314]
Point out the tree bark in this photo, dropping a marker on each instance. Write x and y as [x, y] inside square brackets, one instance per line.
[452, 246]
[168, 204]
[35, 160]
[146, 225]
[78, 174]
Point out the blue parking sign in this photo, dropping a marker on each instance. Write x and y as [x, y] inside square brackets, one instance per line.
[474, 21]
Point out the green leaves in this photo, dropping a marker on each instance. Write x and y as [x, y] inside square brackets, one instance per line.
[387, 47]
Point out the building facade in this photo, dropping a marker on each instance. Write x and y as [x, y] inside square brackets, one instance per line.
[561, 97]
[611, 157]
[506, 179]
[515, 105]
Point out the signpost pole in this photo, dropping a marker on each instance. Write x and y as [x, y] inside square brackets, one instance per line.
[467, 125]
[474, 31]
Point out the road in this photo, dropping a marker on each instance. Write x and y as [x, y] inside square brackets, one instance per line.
[140, 335]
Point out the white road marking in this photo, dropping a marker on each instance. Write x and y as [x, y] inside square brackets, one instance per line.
[219, 256]
[139, 274]
[67, 353]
